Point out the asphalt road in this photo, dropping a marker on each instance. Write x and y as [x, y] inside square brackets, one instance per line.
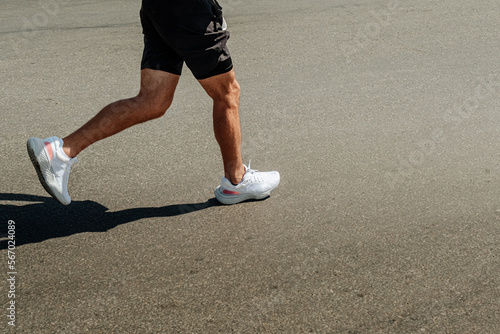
[381, 116]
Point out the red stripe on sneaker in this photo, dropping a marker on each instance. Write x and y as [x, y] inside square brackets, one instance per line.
[229, 192]
[49, 149]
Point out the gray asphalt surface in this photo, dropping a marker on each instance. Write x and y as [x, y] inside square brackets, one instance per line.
[381, 116]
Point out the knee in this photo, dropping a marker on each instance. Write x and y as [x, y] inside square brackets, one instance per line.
[152, 106]
[158, 110]
[235, 90]
[230, 96]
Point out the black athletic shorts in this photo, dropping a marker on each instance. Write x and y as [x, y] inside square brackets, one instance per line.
[191, 31]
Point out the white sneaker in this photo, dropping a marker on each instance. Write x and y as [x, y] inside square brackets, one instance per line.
[52, 166]
[254, 185]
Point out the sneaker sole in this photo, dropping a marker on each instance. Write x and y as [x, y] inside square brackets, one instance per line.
[234, 199]
[37, 157]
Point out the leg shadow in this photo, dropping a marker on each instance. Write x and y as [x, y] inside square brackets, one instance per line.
[44, 218]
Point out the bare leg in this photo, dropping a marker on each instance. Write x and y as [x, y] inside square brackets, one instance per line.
[225, 92]
[154, 98]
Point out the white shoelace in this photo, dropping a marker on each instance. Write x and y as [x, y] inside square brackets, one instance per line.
[252, 174]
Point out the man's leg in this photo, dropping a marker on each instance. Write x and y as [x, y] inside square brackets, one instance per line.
[154, 98]
[239, 183]
[225, 92]
[53, 157]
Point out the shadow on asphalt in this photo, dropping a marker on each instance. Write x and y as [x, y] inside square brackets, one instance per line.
[46, 219]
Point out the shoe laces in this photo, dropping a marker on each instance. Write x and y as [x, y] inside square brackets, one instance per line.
[252, 174]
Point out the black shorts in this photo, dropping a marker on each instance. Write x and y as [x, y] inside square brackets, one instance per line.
[191, 31]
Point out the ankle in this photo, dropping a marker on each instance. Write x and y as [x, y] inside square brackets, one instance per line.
[68, 150]
[236, 176]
